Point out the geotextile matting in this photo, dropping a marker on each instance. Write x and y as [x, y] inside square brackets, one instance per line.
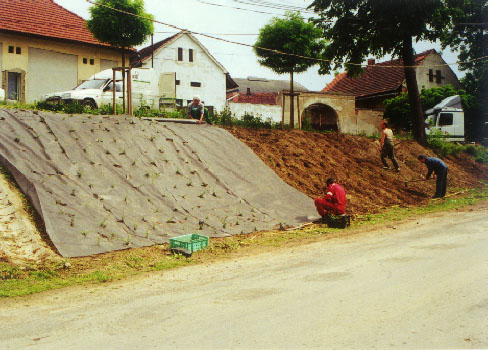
[103, 183]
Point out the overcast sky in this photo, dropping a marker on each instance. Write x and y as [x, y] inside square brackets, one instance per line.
[221, 18]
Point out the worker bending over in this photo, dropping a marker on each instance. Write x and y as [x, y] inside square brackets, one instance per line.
[334, 201]
[440, 171]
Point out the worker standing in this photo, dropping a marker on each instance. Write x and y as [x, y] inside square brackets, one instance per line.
[334, 201]
[440, 171]
[386, 147]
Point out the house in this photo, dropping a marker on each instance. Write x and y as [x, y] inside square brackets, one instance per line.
[45, 48]
[186, 68]
[381, 81]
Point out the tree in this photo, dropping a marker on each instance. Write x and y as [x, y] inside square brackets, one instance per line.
[284, 45]
[357, 29]
[117, 27]
[469, 36]
[397, 109]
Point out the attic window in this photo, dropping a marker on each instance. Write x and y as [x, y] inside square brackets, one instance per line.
[190, 55]
[92, 61]
[195, 84]
[85, 60]
[10, 49]
[438, 77]
[180, 54]
[431, 75]
[18, 50]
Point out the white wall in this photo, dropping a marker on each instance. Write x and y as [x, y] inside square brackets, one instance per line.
[203, 70]
[263, 111]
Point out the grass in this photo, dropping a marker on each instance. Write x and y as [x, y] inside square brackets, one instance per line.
[18, 281]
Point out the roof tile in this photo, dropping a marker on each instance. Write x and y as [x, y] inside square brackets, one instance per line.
[381, 77]
[44, 18]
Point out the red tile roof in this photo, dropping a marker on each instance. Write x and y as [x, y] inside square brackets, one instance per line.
[379, 78]
[263, 98]
[44, 18]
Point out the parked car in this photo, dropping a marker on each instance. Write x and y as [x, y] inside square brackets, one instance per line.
[448, 117]
[98, 90]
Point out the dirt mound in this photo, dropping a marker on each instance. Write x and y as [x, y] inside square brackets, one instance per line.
[305, 160]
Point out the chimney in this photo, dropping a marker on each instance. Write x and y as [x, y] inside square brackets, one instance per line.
[371, 61]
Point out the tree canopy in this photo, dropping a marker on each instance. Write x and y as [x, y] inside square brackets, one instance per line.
[358, 29]
[117, 28]
[290, 35]
[284, 45]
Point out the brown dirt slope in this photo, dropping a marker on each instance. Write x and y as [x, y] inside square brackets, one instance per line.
[305, 160]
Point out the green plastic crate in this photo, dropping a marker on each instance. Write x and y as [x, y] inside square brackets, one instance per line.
[189, 243]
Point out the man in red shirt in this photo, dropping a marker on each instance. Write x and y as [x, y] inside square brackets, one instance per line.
[334, 201]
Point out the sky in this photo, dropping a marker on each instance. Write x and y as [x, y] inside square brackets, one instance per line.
[237, 21]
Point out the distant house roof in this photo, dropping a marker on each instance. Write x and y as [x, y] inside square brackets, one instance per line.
[145, 54]
[264, 98]
[376, 78]
[257, 85]
[44, 18]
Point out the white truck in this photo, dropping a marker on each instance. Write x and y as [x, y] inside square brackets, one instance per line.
[448, 117]
[98, 90]
[2, 95]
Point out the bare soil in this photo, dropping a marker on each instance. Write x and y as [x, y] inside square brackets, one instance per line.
[305, 160]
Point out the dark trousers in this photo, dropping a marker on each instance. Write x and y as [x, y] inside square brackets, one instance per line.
[387, 151]
[441, 184]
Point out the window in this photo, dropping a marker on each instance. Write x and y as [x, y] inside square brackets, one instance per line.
[179, 102]
[10, 49]
[190, 55]
[110, 87]
[92, 61]
[18, 50]
[431, 75]
[13, 86]
[85, 60]
[445, 119]
[177, 82]
[438, 77]
[195, 84]
[180, 54]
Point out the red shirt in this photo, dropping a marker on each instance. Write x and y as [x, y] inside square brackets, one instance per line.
[337, 196]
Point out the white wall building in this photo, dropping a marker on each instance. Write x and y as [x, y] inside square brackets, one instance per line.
[186, 69]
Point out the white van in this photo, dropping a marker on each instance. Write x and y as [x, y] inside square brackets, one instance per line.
[448, 117]
[98, 90]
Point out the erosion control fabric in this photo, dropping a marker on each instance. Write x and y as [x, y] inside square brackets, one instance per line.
[106, 183]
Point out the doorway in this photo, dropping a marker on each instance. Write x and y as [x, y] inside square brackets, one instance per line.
[320, 117]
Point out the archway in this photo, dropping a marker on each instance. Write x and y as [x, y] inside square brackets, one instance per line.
[320, 117]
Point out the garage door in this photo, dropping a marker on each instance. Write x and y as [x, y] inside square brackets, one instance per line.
[50, 71]
[108, 64]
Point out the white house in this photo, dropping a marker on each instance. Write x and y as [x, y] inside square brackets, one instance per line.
[186, 68]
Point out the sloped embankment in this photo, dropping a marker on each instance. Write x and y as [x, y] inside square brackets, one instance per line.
[305, 160]
[107, 183]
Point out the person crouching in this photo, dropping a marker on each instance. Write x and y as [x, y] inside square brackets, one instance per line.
[334, 202]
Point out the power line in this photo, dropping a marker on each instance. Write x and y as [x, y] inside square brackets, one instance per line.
[266, 49]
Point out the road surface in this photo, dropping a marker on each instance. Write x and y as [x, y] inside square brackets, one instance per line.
[419, 284]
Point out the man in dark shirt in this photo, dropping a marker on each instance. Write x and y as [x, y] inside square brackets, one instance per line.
[334, 201]
[440, 170]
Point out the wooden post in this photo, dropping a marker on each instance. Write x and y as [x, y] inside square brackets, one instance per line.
[298, 112]
[282, 110]
[129, 91]
[113, 93]
[123, 90]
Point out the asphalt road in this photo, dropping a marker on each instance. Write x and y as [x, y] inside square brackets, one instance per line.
[420, 284]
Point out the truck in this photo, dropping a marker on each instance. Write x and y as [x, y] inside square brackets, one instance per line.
[448, 117]
[98, 90]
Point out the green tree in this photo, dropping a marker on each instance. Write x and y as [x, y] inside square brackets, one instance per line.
[117, 27]
[284, 45]
[469, 36]
[397, 109]
[357, 29]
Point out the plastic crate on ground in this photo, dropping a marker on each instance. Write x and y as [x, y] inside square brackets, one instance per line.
[188, 244]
